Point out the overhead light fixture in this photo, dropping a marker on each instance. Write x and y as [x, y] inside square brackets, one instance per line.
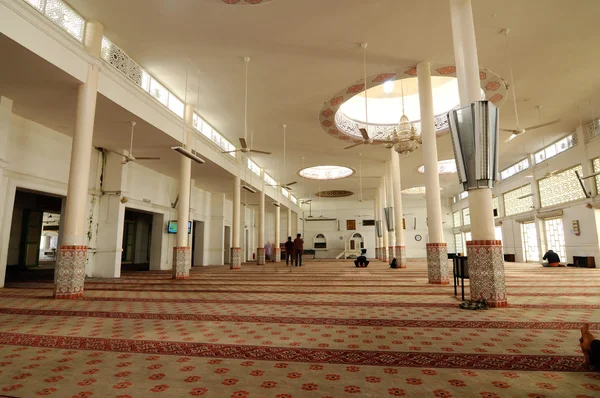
[276, 204]
[525, 196]
[188, 154]
[249, 188]
[388, 86]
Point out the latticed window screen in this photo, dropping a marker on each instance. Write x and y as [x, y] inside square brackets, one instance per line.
[596, 164]
[62, 15]
[458, 244]
[253, 167]
[518, 200]
[456, 219]
[555, 237]
[530, 241]
[466, 213]
[467, 238]
[561, 188]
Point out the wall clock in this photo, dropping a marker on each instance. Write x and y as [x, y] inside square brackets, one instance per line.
[418, 238]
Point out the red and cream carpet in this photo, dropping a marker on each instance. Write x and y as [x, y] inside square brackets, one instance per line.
[326, 329]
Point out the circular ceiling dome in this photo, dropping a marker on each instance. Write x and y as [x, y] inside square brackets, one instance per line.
[334, 193]
[385, 101]
[444, 167]
[326, 172]
[343, 114]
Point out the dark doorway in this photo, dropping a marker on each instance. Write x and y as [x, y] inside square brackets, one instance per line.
[227, 245]
[34, 236]
[137, 235]
[198, 244]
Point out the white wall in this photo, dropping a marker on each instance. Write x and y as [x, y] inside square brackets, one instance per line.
[414, 209]
[587, 243]
[342, 210]
[31, 145]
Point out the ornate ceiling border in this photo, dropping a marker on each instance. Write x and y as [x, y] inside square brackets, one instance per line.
[334, 193]
[493, 86]
[246, 2]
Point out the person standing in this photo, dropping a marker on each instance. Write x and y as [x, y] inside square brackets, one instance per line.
[298, 249]
[289, 249]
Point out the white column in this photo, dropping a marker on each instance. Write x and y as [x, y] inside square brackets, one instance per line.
[6, 105]
[486, 264]
[376, 218]
[260, 250]
[383, 205]
[299, 226]
[289, 222]
[437, 250]
[400, 249]
[182, 253]
[276, 248]
[467, 72]
[236, 250]
[111, 218]
[390, 200]
[70, 271]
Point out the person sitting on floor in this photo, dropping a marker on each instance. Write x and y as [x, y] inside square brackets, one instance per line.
[361, 261]
[394, 263]
[552, 259]
[590, 347]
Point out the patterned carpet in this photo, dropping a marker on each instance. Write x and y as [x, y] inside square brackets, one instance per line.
[326, 329]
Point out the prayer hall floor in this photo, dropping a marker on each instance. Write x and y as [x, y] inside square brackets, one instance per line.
[326, 329]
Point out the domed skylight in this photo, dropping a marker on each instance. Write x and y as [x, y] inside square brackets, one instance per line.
[444, 167]
[385, 101]
[326, 172]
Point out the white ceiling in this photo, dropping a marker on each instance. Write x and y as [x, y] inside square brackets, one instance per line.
[303, 51]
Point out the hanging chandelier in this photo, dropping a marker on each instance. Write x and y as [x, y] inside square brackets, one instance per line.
[405, 138]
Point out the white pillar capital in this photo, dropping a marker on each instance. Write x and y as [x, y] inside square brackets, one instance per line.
[92, 41]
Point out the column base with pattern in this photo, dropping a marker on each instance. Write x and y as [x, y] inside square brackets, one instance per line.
[236, 258]
[438, 269]
[260, 256]
[400, 255]
[486, 272]
[277, 254]
[69, 275]
[182, 261]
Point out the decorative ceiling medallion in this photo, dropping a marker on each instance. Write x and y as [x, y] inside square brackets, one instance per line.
[334, 194]
[415, 191]
[494, 89]
[444, 167]
[326, 172]
[246, 2]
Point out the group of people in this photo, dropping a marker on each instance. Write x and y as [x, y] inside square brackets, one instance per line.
[294, 250]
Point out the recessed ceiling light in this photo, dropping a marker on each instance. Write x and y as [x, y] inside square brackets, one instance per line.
[388, 86]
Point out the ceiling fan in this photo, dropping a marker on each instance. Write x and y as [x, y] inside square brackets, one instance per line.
[284, 186]
[129, 157]
[366, 138]
[519, 130]
[363, 131]
[243, 144]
